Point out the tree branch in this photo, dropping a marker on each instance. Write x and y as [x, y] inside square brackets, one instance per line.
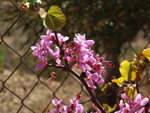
[93, 98]
[80, 77]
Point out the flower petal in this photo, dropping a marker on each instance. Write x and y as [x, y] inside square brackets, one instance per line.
[124, 96]
[121, 104]
[89, 43]
[56, 102]
[138, 98]
[49, 32]
[35, 53]
[100, 81]
[39, 66]
[91, 84]
[81, 66]
[144, 101]
[87, 67]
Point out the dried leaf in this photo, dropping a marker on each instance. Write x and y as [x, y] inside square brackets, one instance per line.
[139, 75]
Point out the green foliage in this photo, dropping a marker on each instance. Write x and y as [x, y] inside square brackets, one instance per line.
[54, 19]
[115, 22]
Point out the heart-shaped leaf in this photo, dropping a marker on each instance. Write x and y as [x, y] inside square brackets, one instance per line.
[54, 19]
[128, 70]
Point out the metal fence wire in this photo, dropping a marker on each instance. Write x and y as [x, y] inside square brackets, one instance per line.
[24, 90]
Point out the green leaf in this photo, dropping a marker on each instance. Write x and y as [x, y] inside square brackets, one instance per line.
[119, 81]
[146, 53]
[54, 19]
[128, 70]
[131, 92]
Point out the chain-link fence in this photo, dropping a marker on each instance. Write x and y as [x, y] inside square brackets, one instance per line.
[118, 34]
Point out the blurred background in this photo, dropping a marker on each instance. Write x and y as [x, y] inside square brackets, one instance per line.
[120, 29]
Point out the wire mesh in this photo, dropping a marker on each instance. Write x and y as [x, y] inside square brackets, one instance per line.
[20, 99]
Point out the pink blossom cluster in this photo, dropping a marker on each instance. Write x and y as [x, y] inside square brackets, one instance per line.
[43, 49]
[73, 107]
[78, 52]
[86, 60]
[136, 106]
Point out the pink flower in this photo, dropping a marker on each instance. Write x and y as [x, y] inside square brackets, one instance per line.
[57, 103]
[139, 103]
[79, 52]
[124, 96]
[36, 50]
[55, 53]
[89, 43]
[84, 67]
[62, 38]
[98, 111]
[75, 106]
[79, 108]
[133, 107]
[42, 64]
[91, 84]
[83, 57]
[50, 112]
[48, 36]
[51, 37]
[96, 77]
[92, 60]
